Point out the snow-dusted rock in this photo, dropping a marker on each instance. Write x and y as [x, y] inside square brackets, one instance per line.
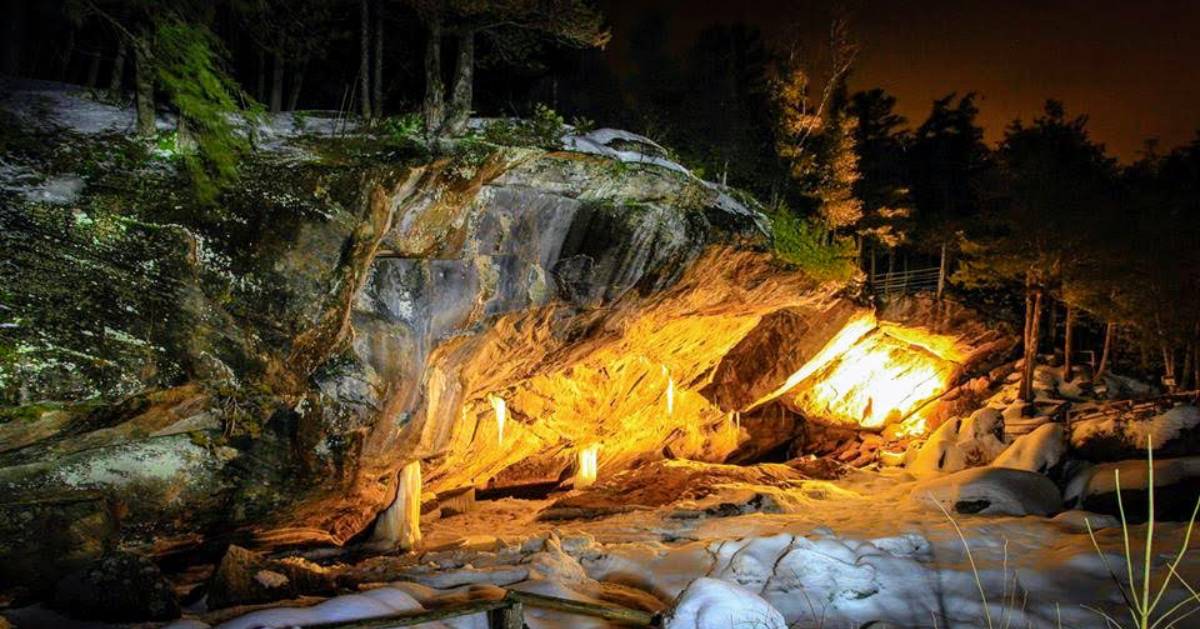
[992, 491]
[1176, 483]
[1038, 451]
[1161, 429]
[630, 147]
[940, 453]
[980, 437]
[715, 604]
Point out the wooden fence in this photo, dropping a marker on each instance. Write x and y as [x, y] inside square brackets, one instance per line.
[905, 282]
[506, 613]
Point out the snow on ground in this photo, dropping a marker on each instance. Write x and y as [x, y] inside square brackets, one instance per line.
[49, 106]
[875, 550]
[34, 187]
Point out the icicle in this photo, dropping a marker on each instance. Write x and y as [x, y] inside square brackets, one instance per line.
[585, 466]
[670, 391]
[501, 409]
[399, 526]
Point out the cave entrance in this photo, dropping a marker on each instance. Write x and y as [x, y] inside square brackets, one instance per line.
[849, 391]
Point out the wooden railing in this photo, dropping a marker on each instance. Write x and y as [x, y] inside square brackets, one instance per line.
[505, 613]
[905, 282]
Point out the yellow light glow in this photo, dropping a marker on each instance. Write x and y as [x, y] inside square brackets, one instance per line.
[856, 328]
[501, 410]
[871, 375]
[586, 467]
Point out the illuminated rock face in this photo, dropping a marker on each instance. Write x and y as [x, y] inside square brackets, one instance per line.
[870, 375]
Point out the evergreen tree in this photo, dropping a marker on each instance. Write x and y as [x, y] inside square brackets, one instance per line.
[175, 52]
[840, 207]
[881, 142]
[1054, 178]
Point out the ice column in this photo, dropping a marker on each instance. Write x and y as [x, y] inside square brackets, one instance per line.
[399, 526]
[501, 409]
[585, 467]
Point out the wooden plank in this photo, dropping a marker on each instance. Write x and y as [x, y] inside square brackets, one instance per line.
[611, 613]
[408, 619]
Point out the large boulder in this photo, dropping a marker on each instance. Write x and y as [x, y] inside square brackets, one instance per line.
[1039, 451]
[244, 577]
[1176, 488]
[991, 491]
[118, 587]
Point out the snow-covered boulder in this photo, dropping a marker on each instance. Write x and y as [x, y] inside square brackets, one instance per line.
[940, 453]
[1176, 488]
[1038, 451]
[981, 436]
[991, 491]
[1097, 437]
[715, 604]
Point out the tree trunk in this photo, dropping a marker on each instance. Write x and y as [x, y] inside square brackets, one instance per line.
[1185, 374]
[1068, 336]
[117, 78]
[1168, 354]
[1033, 311]
[377, 87]
[93, 71]
[277, 83]
[1053, 323]
[435, 108]
[297, 85]
[941, 284]
[461, 93]
[185, 142]
[143, 78]
[13, 35]
[873, 278]
[64, 67]
[364, 59]
[260, 87]
[1109, 333]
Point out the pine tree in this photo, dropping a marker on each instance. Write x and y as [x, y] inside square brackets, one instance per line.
[880, 142]
[1053, 180]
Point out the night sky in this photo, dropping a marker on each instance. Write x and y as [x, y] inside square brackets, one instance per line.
[1132, 65]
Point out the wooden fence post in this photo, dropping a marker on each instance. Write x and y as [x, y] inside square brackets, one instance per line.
[511, 616]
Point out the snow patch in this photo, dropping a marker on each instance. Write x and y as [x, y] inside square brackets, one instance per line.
[715, 604]
[627, 147]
